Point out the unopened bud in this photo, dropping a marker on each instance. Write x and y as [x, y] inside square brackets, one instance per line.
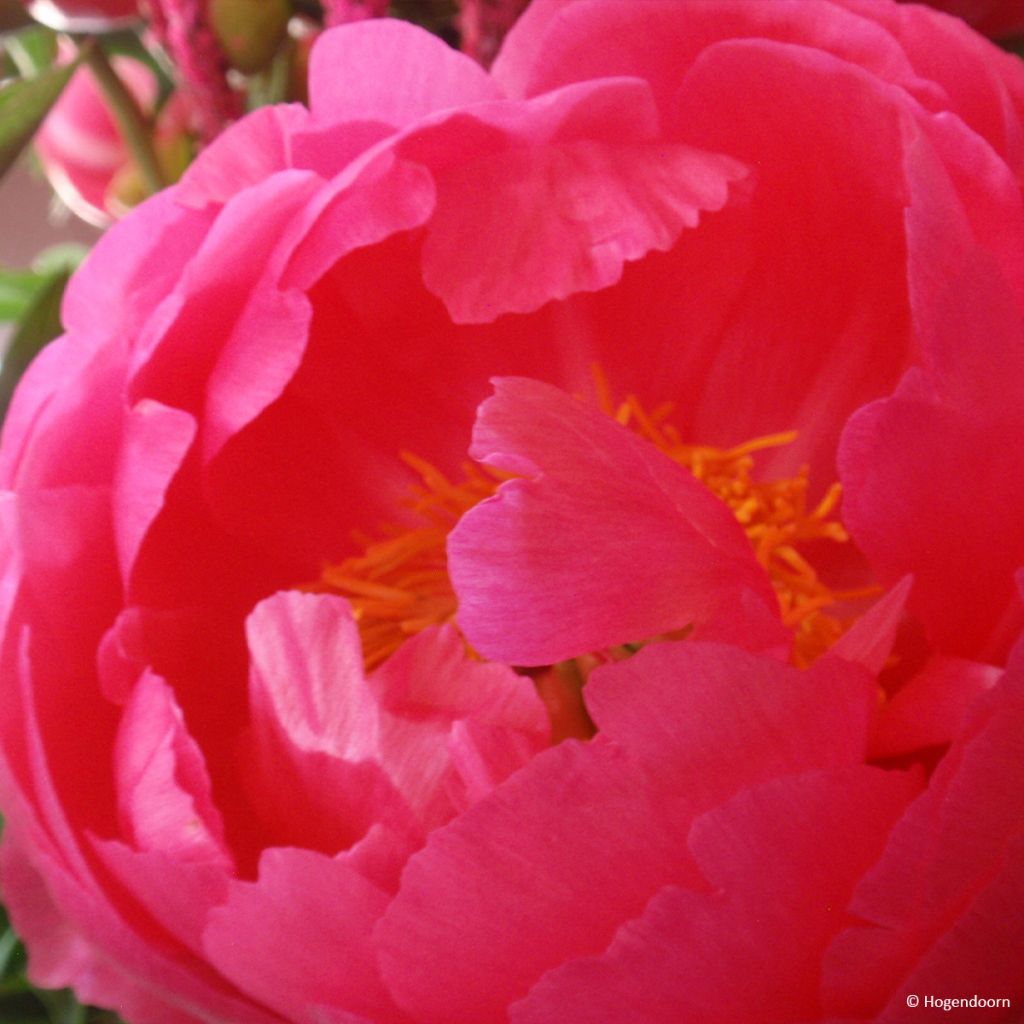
[249, 31]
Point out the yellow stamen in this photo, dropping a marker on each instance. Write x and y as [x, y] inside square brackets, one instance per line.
[399, 585]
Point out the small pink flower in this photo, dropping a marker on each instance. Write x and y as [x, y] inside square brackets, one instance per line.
[617, 721]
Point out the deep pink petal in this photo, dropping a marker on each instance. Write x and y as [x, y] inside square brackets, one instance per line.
[711, 718]
[960, 837]
[932, 708]
[584, 210]
[506, 891]
[321, 912]
[783, 858]
[914, 467]
[607, 542]
[243, 155]
[155, 442]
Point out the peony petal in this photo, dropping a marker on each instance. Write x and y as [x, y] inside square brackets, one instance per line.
[432, 676]
[453, 728]
[869, 640]
[932, 708]
[609, 541]
[714, 718]
[507, 891]
[951, 844]
[243, 155]
[156, 440]
[422, 72]
[307, 674]
[311, 755]
[322, 913]
[584, 209]
[164, 795]
[784, 858]
[253, 234]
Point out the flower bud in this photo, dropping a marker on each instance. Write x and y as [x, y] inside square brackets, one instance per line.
[249, 31]
[79, 145]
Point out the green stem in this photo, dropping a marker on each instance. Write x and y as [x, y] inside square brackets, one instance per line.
[134, 127]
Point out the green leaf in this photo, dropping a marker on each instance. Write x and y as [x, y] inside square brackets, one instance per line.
[31, 49]
[40, 324]
[23, 105]
[62, 256]
[17, 290]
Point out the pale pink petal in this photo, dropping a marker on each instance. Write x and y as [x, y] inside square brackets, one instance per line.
[452, 727]
[311, 754]
[607, 542]
[164, 796]
[307, 674]
[433, 676]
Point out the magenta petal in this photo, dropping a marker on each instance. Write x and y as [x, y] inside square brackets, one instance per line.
[422, 72]
[608, 542]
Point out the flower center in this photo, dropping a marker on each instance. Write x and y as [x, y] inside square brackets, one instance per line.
[399, 584]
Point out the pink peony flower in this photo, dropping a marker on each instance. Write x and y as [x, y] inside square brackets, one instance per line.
[615, 722]
[83, 15]
[80, 146]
